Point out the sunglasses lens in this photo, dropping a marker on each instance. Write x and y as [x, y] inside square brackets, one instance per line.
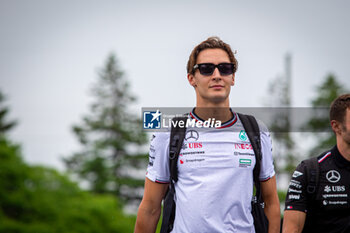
[206, 69]
[225, 68]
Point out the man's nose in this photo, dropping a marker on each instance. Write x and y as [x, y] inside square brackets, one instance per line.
[216, 74]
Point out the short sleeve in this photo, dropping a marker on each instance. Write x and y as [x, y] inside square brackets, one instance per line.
[296, 195]
[158, 166]
[267, 169]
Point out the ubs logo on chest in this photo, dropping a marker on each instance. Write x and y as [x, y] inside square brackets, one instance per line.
[194, 145]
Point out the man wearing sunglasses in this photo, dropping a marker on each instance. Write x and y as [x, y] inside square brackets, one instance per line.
[215, 167]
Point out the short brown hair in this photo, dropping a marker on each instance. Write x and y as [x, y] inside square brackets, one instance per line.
[338, 108]
[213, 42]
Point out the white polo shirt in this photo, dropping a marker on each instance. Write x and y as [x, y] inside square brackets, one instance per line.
[215, 176]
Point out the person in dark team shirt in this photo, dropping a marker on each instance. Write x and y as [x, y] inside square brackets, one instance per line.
[328, 209]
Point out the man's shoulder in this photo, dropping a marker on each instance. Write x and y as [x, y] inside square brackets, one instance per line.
[317, 161]
[160, 138]
[311, 165]
[262, 126]
[325, 155]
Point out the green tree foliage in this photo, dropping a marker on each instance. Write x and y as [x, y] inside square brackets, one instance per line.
[111, 139]
[4, 124]
[319, 124]
[35, 199]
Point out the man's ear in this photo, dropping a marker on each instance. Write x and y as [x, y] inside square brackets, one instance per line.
[191, 80]
[233, 80]
[336, 126]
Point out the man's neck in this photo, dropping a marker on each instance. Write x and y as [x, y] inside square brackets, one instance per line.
[221, 113]
[344, 149]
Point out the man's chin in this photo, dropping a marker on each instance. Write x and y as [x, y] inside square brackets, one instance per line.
[219, 98]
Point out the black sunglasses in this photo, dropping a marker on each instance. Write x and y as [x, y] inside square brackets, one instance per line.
[208, 68]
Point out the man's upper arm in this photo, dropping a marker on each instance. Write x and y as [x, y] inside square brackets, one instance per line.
[269, 190]
[293, 221]
[152, 197]
[296, 198]
[154, 192]
[150, 207]
[156, 184]
[157, 176]
[296, 201]
[158, 166]
[272, 204]
[267, 169]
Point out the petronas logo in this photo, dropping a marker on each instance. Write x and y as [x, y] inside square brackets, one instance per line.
[242, 135]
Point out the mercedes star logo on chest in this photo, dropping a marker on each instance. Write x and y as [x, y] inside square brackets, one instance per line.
[333, 176]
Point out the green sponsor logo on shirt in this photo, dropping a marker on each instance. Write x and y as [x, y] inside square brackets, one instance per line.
[242, 135]
[245, 161]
